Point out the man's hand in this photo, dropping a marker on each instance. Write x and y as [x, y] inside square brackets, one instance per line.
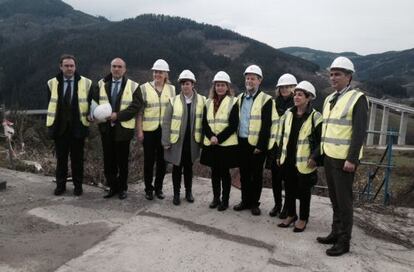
[213, 140]
[114, 117]
[166, 147]
[140, 136]
[257, 151]
[349, 167]
[311, 163]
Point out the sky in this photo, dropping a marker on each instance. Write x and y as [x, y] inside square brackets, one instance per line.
[361, 26]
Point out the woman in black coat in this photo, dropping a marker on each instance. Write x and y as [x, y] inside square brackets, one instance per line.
[220, 123]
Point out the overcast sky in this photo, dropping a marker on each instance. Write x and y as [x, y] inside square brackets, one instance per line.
[362, 26]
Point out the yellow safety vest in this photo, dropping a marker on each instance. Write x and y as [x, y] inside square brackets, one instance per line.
[256, 118]
[220, 120]
[303, 149]
[126, 99]
[84, 85]
[337, 125]
[155, 105]
[178, 109]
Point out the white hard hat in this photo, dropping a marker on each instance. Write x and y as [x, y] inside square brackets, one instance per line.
[343, 63]
[188, 75]
[307, 87]
[161, 65]
[222, 76]
[286, 80]
[102, 112]
[254, 69]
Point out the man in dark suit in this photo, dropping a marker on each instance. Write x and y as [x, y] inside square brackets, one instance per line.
[68, 107]
[117, 132]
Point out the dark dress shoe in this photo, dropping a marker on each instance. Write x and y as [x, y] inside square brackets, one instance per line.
[241, 206]
[149, 195]
[338, 249]
[78, 191]
[110, 194]
[328, 240]
[176, 200]
[256, 211]
[296, 229]
[284, 225]
[223, 206]
[275, 211]
[189, 197]
[283, 213]
[122, 195]
[159, 195]
[214, 203]
[59, 190]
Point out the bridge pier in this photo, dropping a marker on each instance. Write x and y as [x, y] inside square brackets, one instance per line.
[384, 125]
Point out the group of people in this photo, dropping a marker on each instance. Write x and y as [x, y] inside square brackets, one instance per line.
[225, 131]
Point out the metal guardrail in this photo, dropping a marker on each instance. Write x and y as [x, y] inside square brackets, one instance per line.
[387, 155]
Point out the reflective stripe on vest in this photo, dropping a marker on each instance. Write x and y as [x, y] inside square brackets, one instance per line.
[255, 116]
[303, 150]
[177, 113]
[84, 85]
[126, 99]
[337, 125]
[220, 120]
[155, 105]
[274, 130]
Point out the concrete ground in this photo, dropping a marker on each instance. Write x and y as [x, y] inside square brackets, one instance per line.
[42, 232]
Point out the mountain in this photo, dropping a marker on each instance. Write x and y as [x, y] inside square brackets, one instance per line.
[28, 58]
[386, 74]
[322, 58]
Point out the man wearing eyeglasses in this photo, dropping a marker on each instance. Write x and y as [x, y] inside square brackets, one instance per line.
[68, 96]
[116, 133]
[254, 135]
[343, 133]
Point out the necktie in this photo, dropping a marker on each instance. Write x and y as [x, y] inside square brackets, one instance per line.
[114, 94]
[68, 92]
[334, 99]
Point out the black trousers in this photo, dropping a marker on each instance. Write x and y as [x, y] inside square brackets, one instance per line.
[186, 165]
[340, 192]
[297, 186]
[251, 173]
[220, 178]
[66, 146]
[277, 184]
[116, 154]
[153, 153]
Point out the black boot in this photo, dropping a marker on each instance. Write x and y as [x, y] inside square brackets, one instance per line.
[283, 213]
[176, 199]
[189, 196]
[338, 249]
[214, 203]
[275, 211]
[328, 240]
[224, 204]
[60, 189]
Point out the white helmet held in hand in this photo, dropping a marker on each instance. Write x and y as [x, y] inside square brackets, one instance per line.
[307, 87]
[102, 112]
[160, 65]
[222, 76]
[186, 75]
[343, 63]
[254, 69]
[286, 80]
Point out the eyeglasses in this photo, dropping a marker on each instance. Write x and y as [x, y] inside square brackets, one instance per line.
[116, 66]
